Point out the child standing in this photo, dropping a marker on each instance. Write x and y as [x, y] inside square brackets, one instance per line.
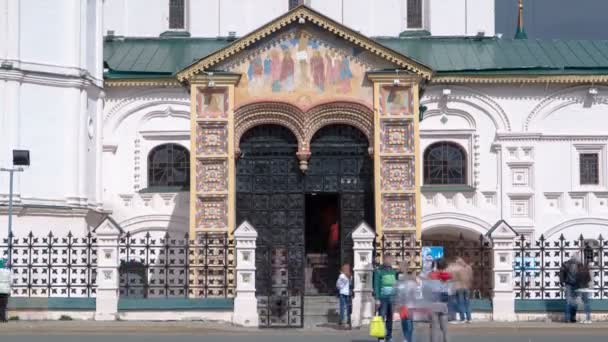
[343, 285]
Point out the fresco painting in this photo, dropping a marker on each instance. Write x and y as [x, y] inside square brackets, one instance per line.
[211, 103]
[395, 100]
[303, 68]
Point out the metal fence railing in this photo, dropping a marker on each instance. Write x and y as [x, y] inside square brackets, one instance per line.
[52, 266]
[537, 265]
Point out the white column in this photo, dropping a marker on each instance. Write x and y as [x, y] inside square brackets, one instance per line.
[363, 250]
[245, 303]
[503, 302]
[107, 271]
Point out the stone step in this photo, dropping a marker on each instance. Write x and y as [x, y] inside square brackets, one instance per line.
[320, 310]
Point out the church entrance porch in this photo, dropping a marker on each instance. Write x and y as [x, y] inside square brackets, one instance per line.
[304, 219]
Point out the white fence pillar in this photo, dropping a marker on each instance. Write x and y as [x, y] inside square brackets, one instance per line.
[245, 303]
[107, 235]
[363, 250]
[503, 302]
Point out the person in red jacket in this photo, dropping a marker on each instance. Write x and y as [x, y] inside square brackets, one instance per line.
[439, 322]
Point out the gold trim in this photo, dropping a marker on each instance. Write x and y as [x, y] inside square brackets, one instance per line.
[231, 163]
[303, 12]
[193, 161]
[377, 162]
[160, 82]
[564, 79]
[417, 161]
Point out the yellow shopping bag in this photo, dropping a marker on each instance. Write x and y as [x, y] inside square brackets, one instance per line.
[377, 328]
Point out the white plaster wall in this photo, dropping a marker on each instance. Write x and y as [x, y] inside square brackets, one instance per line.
[50, 100]
[527, 167]
[212, 18]
[135, 121]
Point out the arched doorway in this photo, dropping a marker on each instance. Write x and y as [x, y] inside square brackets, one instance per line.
[474, 248]
[339, 195]
[304, 220]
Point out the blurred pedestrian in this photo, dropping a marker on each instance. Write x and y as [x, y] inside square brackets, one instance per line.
[439, 285]
[583, 285]
[385, 278]
[5, 288]
[462, 280]
[567, 279]
[344, 288]
[405, 300]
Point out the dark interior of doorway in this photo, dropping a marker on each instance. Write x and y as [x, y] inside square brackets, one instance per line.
[322, 243]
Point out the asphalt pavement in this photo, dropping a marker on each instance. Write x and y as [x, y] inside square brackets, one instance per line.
[209, 332]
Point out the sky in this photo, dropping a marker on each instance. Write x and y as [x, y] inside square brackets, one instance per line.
[555, 19]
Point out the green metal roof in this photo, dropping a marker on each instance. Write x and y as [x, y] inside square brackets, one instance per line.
[162, 57]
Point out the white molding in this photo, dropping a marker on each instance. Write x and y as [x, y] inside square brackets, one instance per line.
[165, 135]
[596, 221]
[50, 75]
[535, 136]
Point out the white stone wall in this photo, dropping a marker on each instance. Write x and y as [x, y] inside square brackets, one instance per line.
[135, 121]
[522, 144]
[213, 18]
[51, 103]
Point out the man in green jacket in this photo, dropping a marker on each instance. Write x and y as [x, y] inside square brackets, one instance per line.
[385, 278]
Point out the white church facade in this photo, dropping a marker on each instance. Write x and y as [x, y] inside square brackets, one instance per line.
[303, 119]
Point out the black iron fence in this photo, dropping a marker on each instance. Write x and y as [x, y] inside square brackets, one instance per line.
[176, 266]
[537, 265]
[52, 266]
[478, 253]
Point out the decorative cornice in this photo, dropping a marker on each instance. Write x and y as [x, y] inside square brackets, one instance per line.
[297, 15]
[531, 79]
[531, 136]
[144, 82]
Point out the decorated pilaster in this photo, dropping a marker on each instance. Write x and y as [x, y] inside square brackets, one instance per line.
[107, 235]
[503, 302]
[212, 160]
[396, 155]
[363, 250]
[245, 302]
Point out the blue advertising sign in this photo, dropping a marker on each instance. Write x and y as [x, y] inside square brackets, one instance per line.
[430, 254]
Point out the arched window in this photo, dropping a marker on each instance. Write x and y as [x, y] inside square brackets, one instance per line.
[169, 165]
[445, 163]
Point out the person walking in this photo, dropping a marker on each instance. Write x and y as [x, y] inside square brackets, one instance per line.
[462, 280]
[583, 287]
[385, 278]
[567, 279]
[343, 284]
[439, 286]
[405, 300]
[5, 289]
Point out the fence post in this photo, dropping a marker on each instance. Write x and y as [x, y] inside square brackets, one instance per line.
[503, 301]
[363, 250]
[245, 302]
[107, 234]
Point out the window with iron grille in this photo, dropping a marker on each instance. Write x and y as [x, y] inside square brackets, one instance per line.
[177, 15]
[589, 168]
[445, 164]
[169, 166]
[414, 14]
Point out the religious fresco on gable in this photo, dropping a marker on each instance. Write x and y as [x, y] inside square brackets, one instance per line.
[304, 67]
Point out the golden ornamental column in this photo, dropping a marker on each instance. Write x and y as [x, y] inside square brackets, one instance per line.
[396, 158]
[212, 185]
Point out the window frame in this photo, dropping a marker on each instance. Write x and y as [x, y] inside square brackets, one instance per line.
[407, 15]
[149, 167]
[185, 15]
[465, 164]
[596, 176]
[577, 151]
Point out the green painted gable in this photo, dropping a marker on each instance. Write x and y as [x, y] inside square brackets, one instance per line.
[162, 57]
